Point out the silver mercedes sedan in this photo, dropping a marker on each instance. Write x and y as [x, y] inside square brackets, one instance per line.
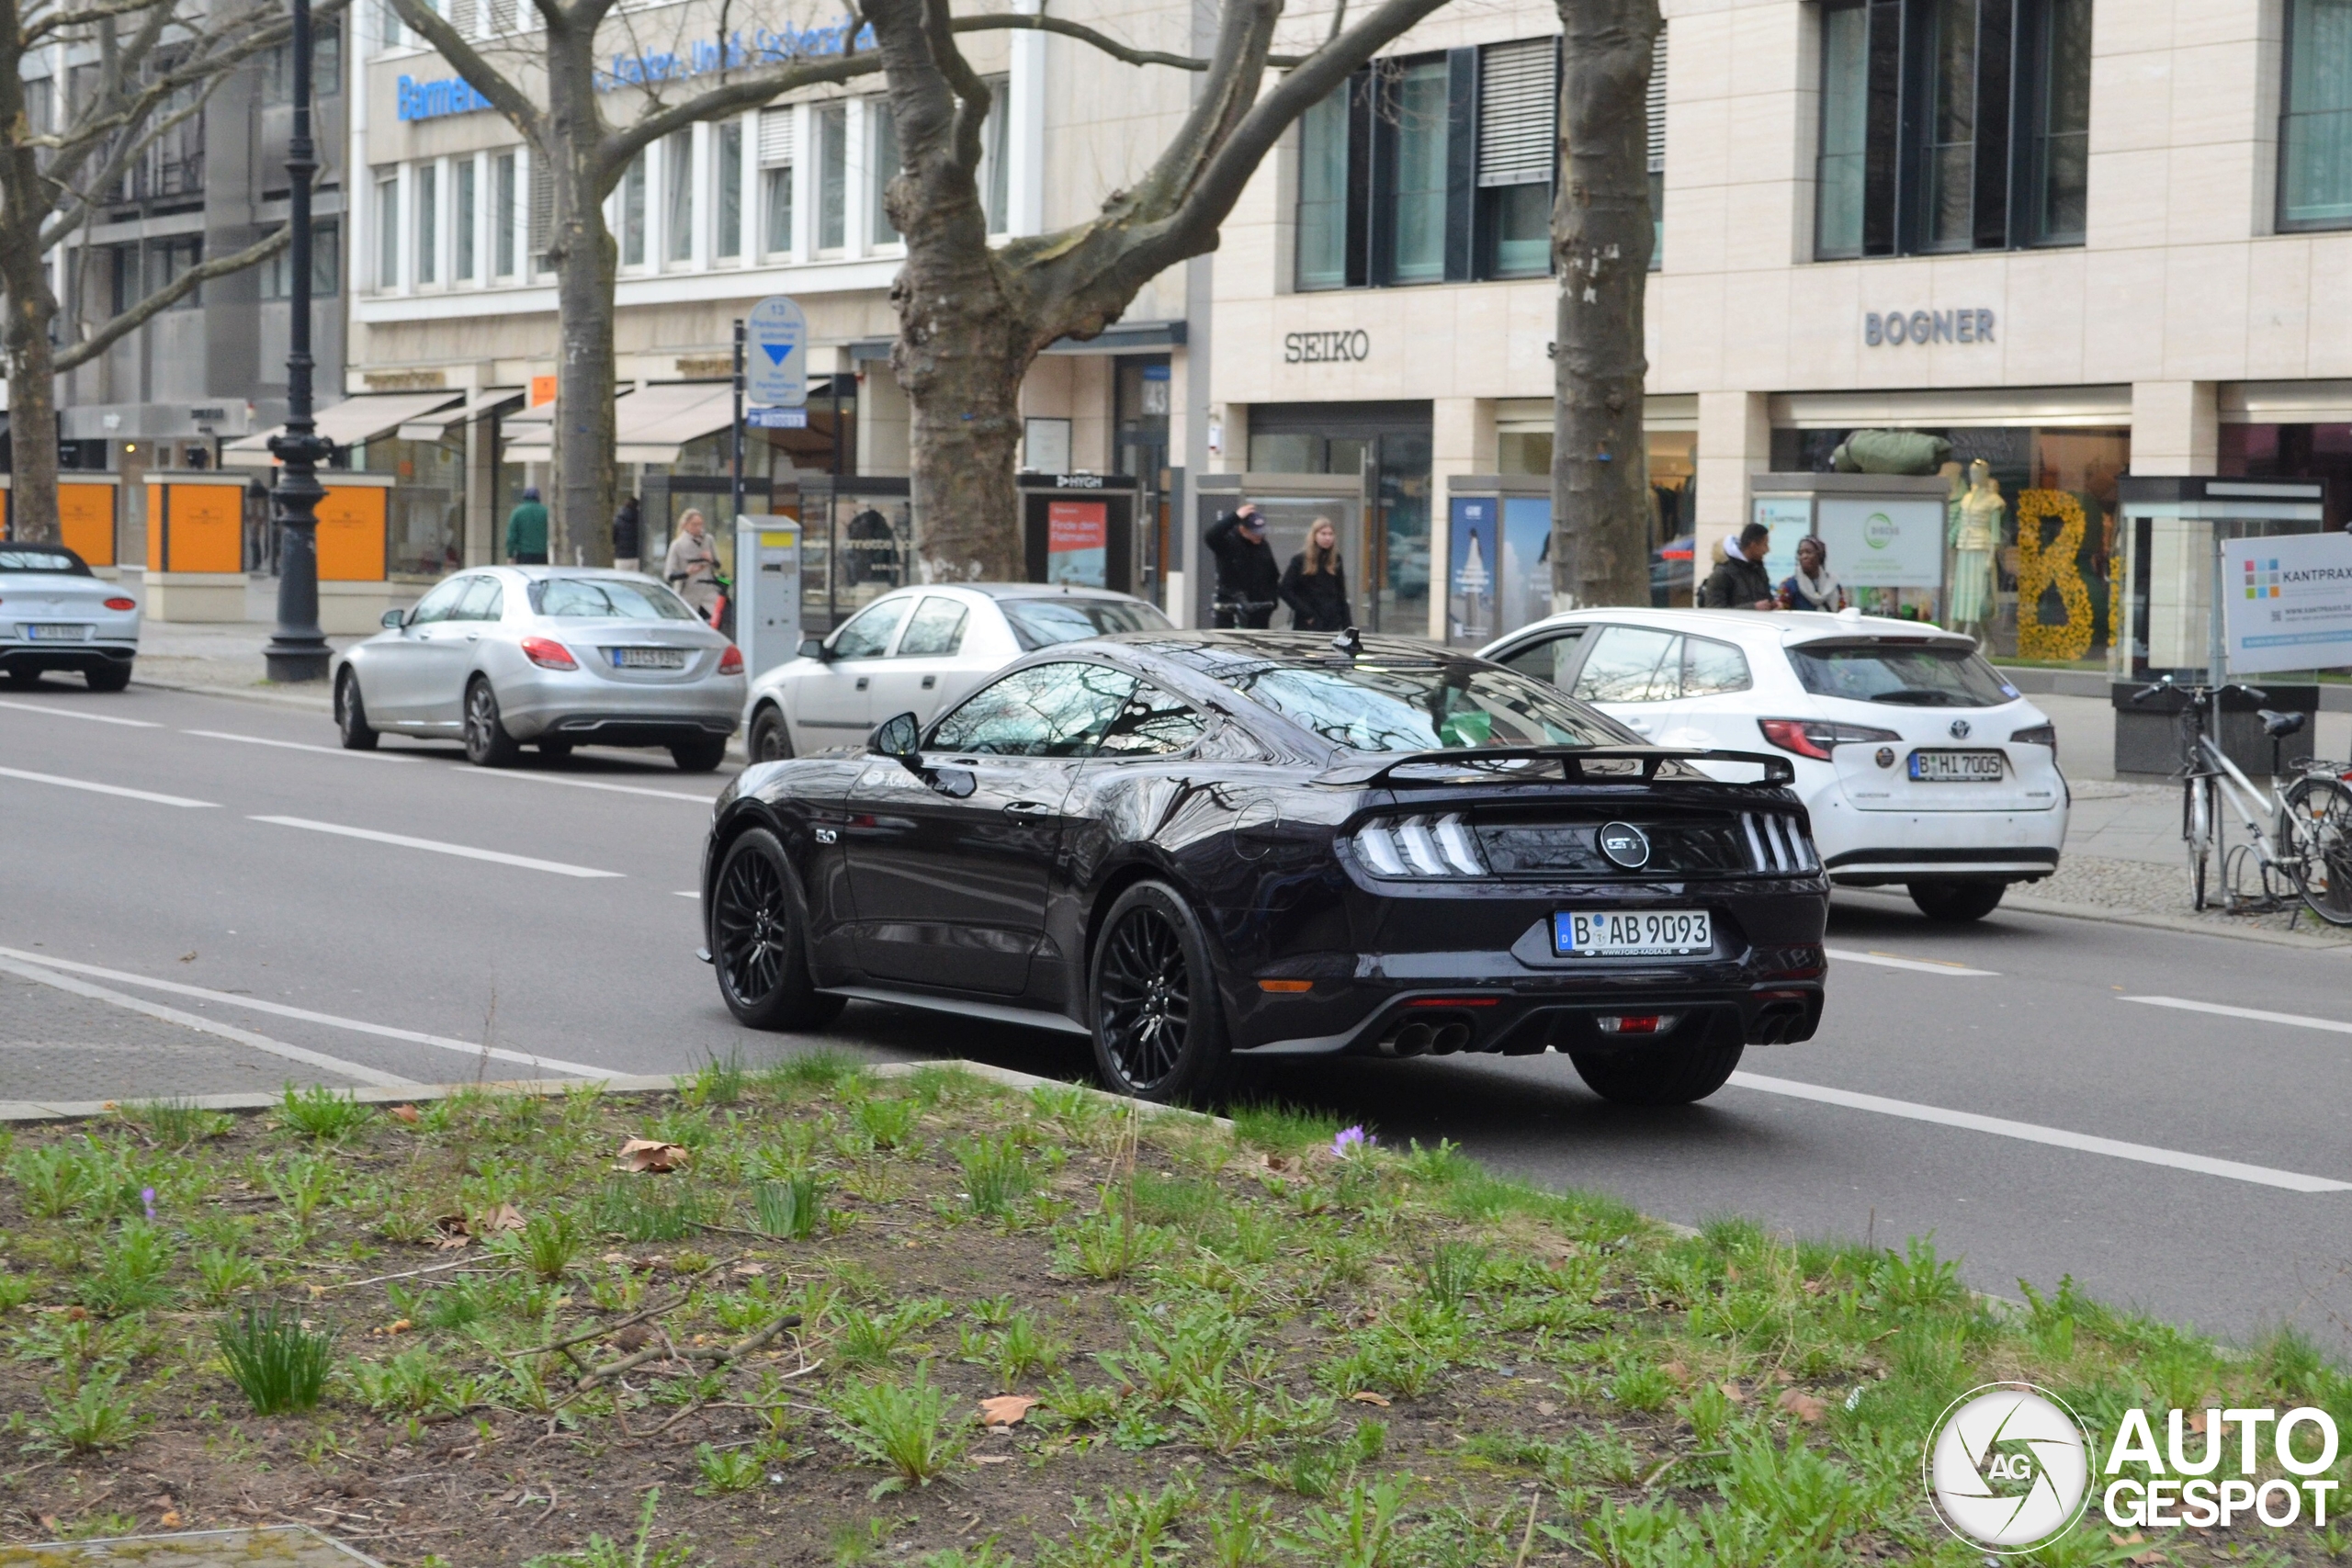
[508, 655]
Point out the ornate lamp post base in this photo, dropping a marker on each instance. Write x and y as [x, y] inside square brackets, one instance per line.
[299, 651]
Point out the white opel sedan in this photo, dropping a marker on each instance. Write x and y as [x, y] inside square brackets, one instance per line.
[1919, 764]
[556, 657]
[920, 651]
[56, 613]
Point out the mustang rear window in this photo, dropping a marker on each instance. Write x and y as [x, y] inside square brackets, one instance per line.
[1926, 675]
[606, 599]
[1425, 707]
[21, 558]
[1040, 623]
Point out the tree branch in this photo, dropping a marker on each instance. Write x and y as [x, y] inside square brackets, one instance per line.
[972, 94]
[747, 92]
[171, 294]
[479, 74]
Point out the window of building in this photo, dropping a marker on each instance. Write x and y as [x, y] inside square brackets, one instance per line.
[171, 260]
[502, 213]
[730, 189]
[1952, 125]
[468, 178]
[678, 181]
[832, 176]
[327, 265]
[995, 168]
[326, 66]
[428, 222]
[388, 232]
[776, 149]
[2315, 127]
[542, 214]
[632, 214]
[1656, 105]
[882, 158]
[1432, 169]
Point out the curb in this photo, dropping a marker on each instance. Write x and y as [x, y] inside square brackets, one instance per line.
[320, 703]
[2184, 924]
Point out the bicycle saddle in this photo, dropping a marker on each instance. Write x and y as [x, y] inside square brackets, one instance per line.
[2278, 726]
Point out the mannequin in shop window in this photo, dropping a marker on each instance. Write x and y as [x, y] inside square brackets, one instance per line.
[1976, 515]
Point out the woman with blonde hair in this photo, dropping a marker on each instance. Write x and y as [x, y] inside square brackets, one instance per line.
[1315, 585]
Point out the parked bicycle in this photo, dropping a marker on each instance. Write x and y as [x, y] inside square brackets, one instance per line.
[2308, 853]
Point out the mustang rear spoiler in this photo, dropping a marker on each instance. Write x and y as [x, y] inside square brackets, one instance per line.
[1777, 771]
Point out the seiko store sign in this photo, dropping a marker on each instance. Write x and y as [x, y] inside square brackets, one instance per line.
[1926, 326]
[1327, 348]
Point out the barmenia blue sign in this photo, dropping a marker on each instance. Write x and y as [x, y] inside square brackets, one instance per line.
[453, 94]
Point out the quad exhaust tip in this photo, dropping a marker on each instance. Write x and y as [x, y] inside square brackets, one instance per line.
[1409, 1039]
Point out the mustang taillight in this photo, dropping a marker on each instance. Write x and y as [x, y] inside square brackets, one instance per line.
[1775, 844]
[549, 654]
[1420, 846]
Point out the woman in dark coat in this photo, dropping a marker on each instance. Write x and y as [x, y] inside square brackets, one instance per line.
[1315, 585]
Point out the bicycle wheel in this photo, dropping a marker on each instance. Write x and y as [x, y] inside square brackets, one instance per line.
[2197, 826]
[2315, 830]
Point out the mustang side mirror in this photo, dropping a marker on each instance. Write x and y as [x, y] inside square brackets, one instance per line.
[814, 648]
[395, 619]
[900, 738]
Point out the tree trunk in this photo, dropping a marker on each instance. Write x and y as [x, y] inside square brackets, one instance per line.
[964, 344]
[587, 264]
[32, 309]
[1601, 240]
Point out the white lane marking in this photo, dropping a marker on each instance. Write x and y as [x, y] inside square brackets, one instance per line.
[2028, 1131]
[1888, 961]
[592, 784]
[686, 893]
[302, 746]
[2258, 1015]
[497, 857]
[77, 713]
[335, 1065]
[105, 788]
[357, 1026]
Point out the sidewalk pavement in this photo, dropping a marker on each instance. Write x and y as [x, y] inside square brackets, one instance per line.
[223, 658]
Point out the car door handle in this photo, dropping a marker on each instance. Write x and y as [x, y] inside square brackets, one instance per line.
[929, 681]
[861, 682]
[1027, 808]
[473, 637]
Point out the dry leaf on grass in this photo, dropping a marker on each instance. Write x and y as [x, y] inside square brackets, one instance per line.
[1802, 1406]
[451, 1232]
[1005, 1409]
[408, 1114]
[650, 1154]
[1733, 1392]
[506, 1217]
[1365, 1396]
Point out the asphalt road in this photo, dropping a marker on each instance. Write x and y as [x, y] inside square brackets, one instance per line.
[2006, 1087]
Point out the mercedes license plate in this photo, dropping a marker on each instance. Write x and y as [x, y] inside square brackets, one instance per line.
[648, 657]
[1956, 767]
[1632, 933]
[56, 631]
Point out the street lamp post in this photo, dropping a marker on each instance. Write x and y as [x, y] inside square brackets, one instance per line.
[299, 650]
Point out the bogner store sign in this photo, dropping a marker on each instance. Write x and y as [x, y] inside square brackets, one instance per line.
[1926, 326]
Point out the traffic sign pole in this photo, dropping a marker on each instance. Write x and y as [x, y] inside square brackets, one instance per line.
[738, 463]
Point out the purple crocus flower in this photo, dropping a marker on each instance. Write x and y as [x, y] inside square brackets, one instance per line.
[1352, 1140]
[147, 1197]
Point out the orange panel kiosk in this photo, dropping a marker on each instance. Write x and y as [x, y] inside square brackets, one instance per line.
[195, 547]
[353, 516]
[85, 517]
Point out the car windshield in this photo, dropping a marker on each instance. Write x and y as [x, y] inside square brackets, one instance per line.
[37, 558]
[1456, 705]
[1910, 674]
[606, 599]
[1042, 621]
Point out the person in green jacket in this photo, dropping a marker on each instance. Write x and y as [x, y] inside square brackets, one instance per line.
[527, 531]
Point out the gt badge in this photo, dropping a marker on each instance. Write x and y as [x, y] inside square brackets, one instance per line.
[1625, 845]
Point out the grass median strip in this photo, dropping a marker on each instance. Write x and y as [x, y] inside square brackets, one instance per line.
[813, 1316]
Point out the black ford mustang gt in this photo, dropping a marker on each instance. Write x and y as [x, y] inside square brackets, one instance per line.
[1198, 847]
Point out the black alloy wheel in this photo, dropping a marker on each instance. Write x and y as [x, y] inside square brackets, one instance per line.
[22, 677]
[555, 749]
[699, 755]
[1158, 1025]
[487, 743]
[351, 715]
[1686, 1066]
[771, 741]
[1954, 903]
[759, 940]
[108, 677]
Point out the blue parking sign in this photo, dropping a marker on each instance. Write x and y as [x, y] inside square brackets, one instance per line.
[776, 354]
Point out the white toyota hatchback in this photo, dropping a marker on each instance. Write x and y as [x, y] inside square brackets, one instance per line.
[920, 651]
[1919, 764]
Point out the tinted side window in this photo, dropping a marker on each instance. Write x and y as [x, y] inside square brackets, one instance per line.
[1046, 710]
[1631, 664]
[935, 632]
[868, 635]
[1550, 658]
[441, 603]
[1712, 668]
[1152, 725]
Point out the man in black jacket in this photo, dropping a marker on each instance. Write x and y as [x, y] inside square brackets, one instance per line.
[1740, 581]
[1249, 584]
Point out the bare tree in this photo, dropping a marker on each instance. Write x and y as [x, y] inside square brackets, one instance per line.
[156, 63]
[1601, 240]
[971, 319]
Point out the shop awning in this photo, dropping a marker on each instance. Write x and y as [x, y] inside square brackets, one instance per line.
[649, 424]
[346, 424]
[435, 425]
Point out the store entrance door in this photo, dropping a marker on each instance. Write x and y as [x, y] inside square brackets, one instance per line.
[1292, 504]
